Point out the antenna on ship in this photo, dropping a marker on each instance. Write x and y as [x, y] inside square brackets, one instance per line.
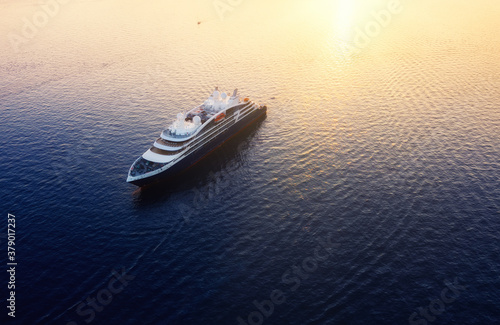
[235, 92]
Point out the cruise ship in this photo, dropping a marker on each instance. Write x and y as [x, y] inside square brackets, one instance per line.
[193, 135]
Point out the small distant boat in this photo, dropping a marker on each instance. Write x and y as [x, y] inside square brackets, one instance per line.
[193, 135]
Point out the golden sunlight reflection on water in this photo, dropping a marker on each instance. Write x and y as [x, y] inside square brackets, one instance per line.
[329, 48]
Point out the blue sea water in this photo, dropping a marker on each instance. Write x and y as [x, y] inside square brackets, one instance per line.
[369, 193]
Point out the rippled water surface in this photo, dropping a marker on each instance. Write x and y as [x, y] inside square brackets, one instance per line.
[381, 144]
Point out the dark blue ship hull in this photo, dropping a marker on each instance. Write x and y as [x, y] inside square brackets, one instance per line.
[201, 153]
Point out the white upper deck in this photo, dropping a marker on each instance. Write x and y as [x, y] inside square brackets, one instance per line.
[186, 125]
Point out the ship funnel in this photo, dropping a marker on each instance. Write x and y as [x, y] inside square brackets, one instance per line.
[235, 92]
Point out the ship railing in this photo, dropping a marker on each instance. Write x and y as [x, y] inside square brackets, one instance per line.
[171, 134]
[169, 143]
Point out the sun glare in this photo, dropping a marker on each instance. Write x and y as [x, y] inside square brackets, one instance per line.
[343, 18]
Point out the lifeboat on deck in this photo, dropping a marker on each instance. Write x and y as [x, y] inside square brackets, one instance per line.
[219, 117]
